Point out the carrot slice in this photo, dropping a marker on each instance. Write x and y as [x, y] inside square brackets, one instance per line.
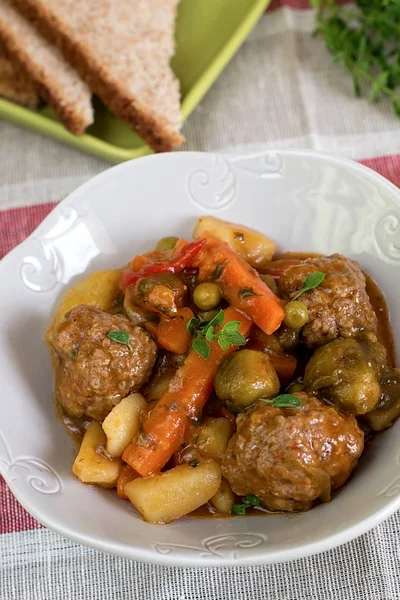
[284, 365]
[171, 332]
[164, 430]
[240, 284]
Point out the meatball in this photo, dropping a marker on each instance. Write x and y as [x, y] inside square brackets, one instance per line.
[291, 457]
[93, 373]
[338, 307]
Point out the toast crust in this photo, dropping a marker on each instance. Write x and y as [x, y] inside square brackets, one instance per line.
[58, 85]
[161, 136]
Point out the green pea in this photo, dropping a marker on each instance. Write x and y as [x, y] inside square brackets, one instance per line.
[167, 243]
[207, 296]
[296, 314]
[270, 282]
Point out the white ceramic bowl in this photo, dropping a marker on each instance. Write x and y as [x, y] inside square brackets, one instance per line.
[304, 201]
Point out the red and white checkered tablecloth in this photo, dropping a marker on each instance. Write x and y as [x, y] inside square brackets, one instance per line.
[282, 90]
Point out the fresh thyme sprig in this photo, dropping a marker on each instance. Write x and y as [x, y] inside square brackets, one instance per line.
[366, 39]
[203, 333]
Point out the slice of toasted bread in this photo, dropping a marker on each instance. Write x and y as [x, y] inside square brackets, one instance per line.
[122, 49]
[15, 83]
[56, 81]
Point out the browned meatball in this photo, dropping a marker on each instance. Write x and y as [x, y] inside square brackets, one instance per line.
[93, 372]
[291, 457]
[339, 306]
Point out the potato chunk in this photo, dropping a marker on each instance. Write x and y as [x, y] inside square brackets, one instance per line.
[91, 466]
[175, 493]
[254, 247]
[224, 499]
[212, 437]
[122, 423]
[98, 289]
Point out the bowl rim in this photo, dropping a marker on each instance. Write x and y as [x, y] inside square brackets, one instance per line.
[150, 555]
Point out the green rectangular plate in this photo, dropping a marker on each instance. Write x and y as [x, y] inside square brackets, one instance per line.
[208, 33]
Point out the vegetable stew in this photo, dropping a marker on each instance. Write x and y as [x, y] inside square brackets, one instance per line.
[216, 377]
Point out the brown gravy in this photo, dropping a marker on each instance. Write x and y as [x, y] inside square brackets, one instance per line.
[384, 333]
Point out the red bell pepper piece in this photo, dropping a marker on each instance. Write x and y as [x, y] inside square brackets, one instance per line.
[176, 264]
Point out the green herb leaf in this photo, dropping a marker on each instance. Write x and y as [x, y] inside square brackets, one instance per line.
[252, 500]
[247, 502]
[201, 347]
[120, 337]
[310, 282]
[218, 271]
[223, 343]
[239, 509]
[246, 293]
[366, 39]
[230, 336]
[210, 334]
[284, 401]
[203, 333]
[217, 320]
[231, 327]
[192, 325]
[396, 107]
[235, 339]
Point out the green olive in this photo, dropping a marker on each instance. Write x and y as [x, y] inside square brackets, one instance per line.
[296, 314]
[296, 387]
[207, 296]
[288, 338]
[243, 378]
[270, 282]
[167, 243]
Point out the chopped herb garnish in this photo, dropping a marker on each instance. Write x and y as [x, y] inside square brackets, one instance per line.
[121, 337]
[283, 401]
[218, 271]
[202, 347]
[246, 293]
[192, 325]
[203, 333]
[247, 502]
[239, 509]
[252, 500]
[310, 282]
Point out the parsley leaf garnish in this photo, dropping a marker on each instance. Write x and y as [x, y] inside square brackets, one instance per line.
[310, 282]
[247, 502]
[283, 401]
[121, 337]
[203, 333]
